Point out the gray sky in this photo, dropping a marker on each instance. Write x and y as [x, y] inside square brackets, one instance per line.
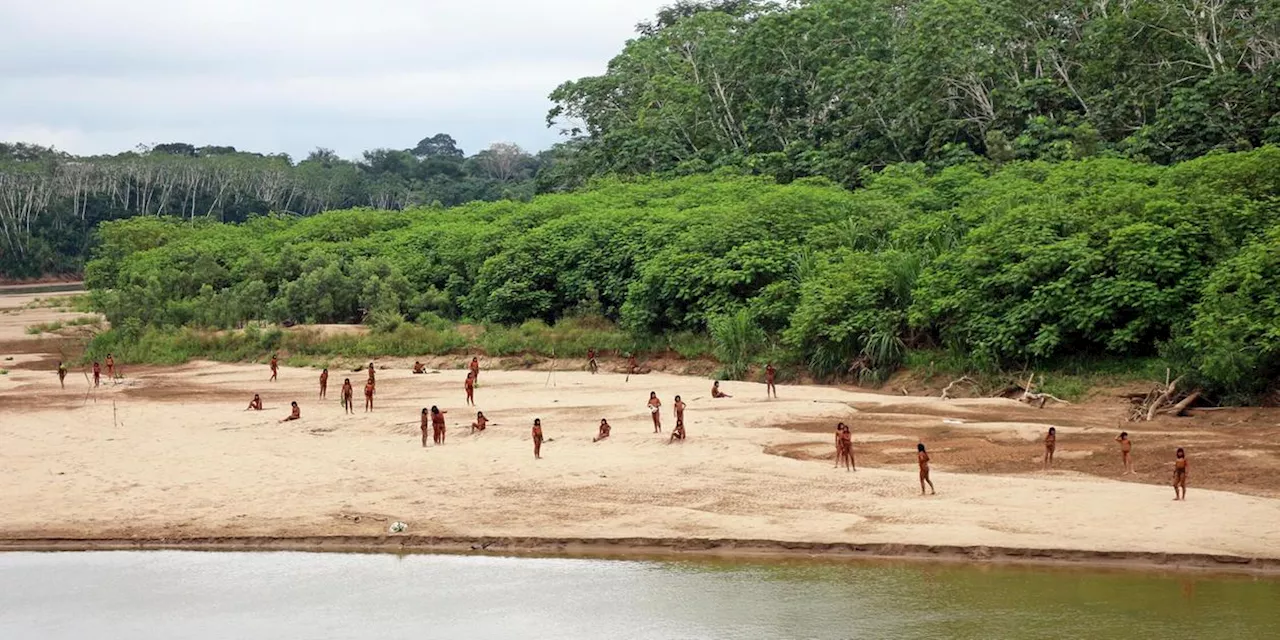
[101, 76]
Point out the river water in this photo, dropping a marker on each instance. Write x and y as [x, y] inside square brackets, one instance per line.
[293, 596]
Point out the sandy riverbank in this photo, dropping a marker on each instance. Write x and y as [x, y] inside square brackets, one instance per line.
[169, 454]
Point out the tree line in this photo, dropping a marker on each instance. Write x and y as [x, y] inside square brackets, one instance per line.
[50, 202]
[1025, 263]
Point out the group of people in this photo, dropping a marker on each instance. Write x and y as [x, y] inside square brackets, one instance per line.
[1126, 459]
[110, 361]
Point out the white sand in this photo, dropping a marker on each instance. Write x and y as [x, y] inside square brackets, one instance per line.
[172, 453]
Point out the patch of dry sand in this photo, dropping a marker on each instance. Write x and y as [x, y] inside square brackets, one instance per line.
[170, 452]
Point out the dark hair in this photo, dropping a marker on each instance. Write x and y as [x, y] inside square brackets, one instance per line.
[1181, 453]
[1124, 434]
[537, 422]
[435, 409]
[347, 380]
[920, 447]
[424, 411]
[326, 368]
[653, 394]
[677, 397]
[1052, 430]
[294, 403]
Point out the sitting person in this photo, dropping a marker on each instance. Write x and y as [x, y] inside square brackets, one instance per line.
[716, 392]
[480, 422]
[418, 367]
[256, 403]
[293, 415]
[604, 431]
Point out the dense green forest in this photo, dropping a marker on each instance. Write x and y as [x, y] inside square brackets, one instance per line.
[833, 88]
[50, 202]
[1024, 263]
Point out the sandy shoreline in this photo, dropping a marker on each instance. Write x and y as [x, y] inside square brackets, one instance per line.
[169, 458]
[672, 548]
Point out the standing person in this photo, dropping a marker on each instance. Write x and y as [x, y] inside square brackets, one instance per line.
[368, 395]
[1050, 443]
[1180, 474]
[275, 367]
[470, 386]
[604, 431]
[655, 410]
[437, 424]
[922, 458]
[475, 370]
[62, 374]
[480, 423]
[324, 383]
[537, 438]
[255, 404]
[1125, 447]
[845, 446]
[371, 382]
[97, 374]
[678, 405]
[769, 387]
[631, 364]
[348, 400]
[294, 414]
[716, 392]
[839, 445]
[111, 367]
[424, 424]
[591, 361]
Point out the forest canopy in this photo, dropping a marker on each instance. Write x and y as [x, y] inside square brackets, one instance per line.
[1028, 262]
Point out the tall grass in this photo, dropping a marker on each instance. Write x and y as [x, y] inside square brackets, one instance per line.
[737, 339]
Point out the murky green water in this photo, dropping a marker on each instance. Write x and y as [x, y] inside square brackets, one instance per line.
[223, 596]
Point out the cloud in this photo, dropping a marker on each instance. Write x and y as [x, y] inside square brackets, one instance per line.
[288, 75]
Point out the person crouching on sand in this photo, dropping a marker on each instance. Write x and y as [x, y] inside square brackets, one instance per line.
[604, 431]
[678, 433]
[655, 410]
[294, 414]
[922, 458]
[418, 367]
[255, 404]
[716, 392]
[480, 423]
[1180, 474]
[1050, 443]
[537, 438]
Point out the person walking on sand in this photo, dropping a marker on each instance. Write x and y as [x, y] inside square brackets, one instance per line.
[324, 383]
[475, 370]
[348, 400]
[716, 392]
[62, 374]
[591, 361]
[655, 410]
[424, 424]
[1050, 443]
[255, 404]
[111, 367]
[97, 374]
[437, 424]
[1180, 474]
[769, 374]
[294, 414]
[604, 431]
[368, 396]
[470, 387]
[1125, 447]
[537, 438]
[275, 367]
[631, 365]
[922, 458]
[678, 405]
[480, 423]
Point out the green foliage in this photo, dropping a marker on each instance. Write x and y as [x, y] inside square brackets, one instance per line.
[737, 338]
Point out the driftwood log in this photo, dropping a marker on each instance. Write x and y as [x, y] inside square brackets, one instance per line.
[1161, 400]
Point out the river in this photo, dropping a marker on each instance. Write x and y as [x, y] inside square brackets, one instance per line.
[193, 595]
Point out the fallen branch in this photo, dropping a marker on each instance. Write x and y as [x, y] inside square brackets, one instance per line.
[946, 392]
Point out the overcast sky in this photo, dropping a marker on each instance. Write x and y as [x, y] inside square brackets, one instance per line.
[101, 76]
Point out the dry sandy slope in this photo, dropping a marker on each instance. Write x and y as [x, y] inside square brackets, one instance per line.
[170, 452]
